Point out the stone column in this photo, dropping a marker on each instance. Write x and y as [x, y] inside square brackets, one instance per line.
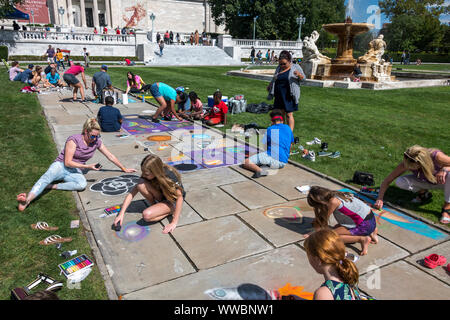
[108, 14]
[70, 13]
[95, 14]
[83, 14]
[55, 13]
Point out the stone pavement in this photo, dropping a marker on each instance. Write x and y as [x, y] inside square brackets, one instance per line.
[228, 235]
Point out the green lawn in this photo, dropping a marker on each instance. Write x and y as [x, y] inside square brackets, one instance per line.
[371, 129]
[28, 151]
[423, 67]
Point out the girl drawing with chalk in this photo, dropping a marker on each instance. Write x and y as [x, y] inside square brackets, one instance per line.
[161, 186]
[356, 221]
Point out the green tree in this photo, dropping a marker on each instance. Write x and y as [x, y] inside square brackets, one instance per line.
[414, 24]
[276, 18]
[7, 6]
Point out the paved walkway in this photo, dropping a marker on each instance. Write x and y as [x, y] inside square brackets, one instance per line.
[225, 236]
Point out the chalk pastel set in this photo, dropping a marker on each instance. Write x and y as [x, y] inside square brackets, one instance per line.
[76, 265]
[112, 210]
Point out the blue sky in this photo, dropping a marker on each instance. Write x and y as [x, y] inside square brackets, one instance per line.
[366, 11]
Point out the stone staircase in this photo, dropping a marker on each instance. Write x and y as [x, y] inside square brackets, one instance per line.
[178, 55]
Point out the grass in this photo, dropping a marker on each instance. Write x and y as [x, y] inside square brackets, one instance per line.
[422, 67]
[28, 150]
[371, 129]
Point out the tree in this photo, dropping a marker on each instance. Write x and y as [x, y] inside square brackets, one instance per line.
[414, 24]
[7, 6]
[276, 18]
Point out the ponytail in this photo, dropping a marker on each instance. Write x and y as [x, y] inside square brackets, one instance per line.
[326, 245]
[347, 271]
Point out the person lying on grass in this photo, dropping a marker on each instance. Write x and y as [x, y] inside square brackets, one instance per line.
[161, 186]
[326, 254]
[278, 139]
[67, 167]
[356, 221]
[166, 97]
[430, 170]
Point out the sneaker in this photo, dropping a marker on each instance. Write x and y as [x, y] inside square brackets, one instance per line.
[315, 141]
[335, 155]
[324, 153]
[259, 174]
[324, 146]
[155, 120]
[296, 140]
[311, 155]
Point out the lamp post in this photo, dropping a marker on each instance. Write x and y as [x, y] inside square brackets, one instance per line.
[61, 11]
[152, 18]
[32, 15]
[300, 20]
[254, 26]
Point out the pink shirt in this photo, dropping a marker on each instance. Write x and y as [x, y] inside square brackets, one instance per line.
[75, 70]
[83, 152]
[138, 84]
[197, 106]
[13, 73]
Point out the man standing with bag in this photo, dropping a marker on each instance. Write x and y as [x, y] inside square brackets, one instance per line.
[100, 81]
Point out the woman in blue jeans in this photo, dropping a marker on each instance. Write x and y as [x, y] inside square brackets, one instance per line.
[67, 166]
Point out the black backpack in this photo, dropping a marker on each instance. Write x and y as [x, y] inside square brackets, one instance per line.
[363, 178]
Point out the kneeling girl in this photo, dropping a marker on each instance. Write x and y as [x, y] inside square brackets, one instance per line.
[161, 185]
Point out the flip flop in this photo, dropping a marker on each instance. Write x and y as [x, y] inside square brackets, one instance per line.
[40, 225]
[54, 239]
[434, 260]
[448, 267]
[445, 220]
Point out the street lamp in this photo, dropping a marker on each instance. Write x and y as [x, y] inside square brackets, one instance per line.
[254, 26]
[152, 18]
[61, 12]
[300, 20]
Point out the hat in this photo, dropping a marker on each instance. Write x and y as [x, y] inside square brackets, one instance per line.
[30, 66]
[104, 67]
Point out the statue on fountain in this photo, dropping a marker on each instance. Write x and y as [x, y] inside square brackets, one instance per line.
[375, 52]
[311, 55]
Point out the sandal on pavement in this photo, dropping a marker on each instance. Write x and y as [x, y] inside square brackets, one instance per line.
[40, 225]
[54, 239]
[445, 220]
[434, 260]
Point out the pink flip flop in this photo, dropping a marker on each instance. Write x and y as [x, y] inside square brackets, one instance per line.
[434, 260]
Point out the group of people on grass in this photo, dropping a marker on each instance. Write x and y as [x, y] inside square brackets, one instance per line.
[161, 184]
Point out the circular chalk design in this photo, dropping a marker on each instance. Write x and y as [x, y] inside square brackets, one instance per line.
[287, 214]
[115, 186]
[133, 232]
[159, 138]
[214, 162]
[186, 166]
[163, 147]
[201, 136]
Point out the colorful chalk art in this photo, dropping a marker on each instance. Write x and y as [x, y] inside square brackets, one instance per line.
[401, 220]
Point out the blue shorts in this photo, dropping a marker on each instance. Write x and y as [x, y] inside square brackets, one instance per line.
[154, 89]
[263, 159]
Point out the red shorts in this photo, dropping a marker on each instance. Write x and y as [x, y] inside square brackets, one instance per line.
[213, 120]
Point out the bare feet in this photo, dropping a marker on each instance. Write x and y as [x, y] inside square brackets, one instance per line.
[22, 200]
[365, 245]
[374, 236]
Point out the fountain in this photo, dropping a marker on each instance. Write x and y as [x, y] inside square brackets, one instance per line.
[320, 67]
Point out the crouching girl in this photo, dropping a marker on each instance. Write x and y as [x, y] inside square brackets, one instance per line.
[161, 185]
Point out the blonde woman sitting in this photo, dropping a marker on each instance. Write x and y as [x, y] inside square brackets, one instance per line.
[430, 168]
[67, 166]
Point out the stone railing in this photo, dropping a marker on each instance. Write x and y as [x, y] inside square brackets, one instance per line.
[241, 48]
[86, 38]
[267, 43]
[35, 43]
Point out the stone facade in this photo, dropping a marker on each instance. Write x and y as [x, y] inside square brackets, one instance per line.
[177, 15]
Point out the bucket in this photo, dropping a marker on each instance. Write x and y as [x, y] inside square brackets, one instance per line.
[211, 100]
